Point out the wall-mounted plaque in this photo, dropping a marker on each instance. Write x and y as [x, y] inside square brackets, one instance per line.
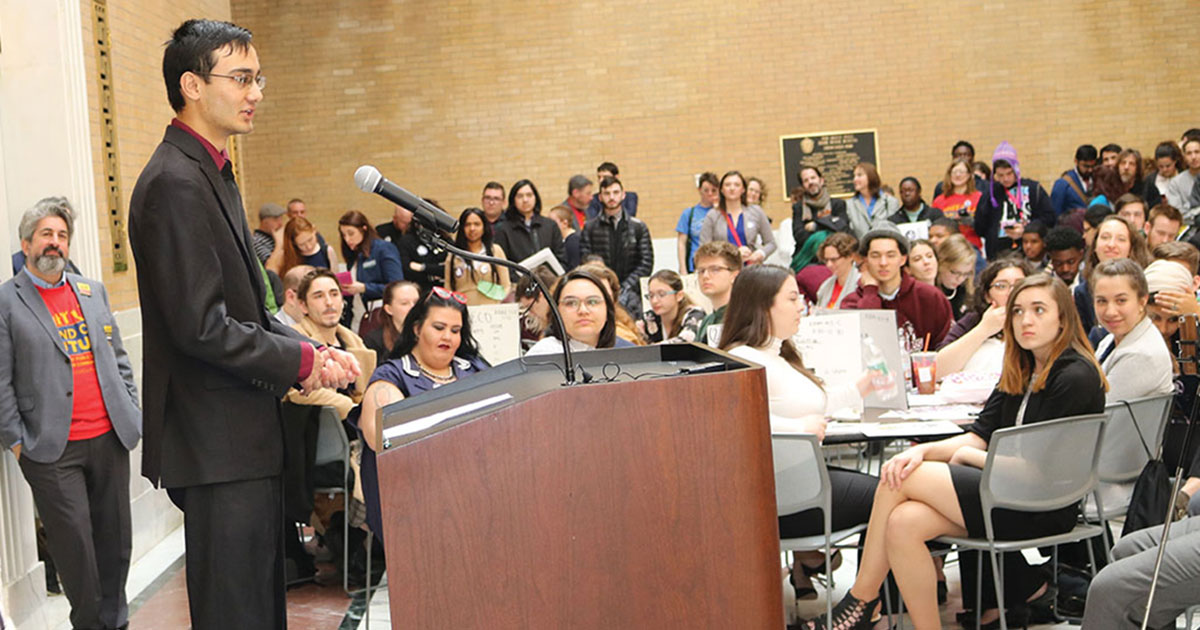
[835, 153]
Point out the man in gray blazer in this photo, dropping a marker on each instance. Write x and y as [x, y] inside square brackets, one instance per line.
[69, 412]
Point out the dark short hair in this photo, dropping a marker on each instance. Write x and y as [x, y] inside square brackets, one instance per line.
[1164, 210]
[947, 223]
[1037, 227]
[193, 48]
[310, 277]
[1063, 238]
[864, 247]
[1128, 198]
[805, 167]
[1086, 153]
[709, 177]
[1096, 213]
[962, 143]
[1111, 147]
[609, 181]
[494, 186]
[912, 179]
[610, 167]
[576, 182]
[722, 249]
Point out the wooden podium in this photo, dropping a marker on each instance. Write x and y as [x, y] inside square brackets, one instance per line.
[645, 503]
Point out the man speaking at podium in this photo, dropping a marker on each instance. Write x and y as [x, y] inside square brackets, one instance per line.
[216, 363]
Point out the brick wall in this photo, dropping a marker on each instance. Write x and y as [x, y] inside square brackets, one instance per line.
[137, 32]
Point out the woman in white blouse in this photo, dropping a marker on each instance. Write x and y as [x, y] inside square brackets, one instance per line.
[764, 313]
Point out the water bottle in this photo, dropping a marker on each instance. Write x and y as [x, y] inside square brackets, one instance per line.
[882, 379]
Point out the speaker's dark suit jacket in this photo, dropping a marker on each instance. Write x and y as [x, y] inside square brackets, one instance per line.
[216, 363]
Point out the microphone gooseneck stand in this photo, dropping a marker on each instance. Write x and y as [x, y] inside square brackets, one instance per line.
[1189, 363]
[433, 239]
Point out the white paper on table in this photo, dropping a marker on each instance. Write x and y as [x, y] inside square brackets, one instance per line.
[908, 429]
[420, 424]
[934, 413]
[843, 428]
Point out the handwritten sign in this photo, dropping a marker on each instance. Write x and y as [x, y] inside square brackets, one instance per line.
[497, 330]
[834, 345]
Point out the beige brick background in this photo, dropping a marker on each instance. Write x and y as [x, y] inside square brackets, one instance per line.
[445, 96]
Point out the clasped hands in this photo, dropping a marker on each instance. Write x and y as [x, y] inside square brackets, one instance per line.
[332, 368]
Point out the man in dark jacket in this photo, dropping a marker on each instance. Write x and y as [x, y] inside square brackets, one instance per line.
[608, 169]
[216, 363]
[622, 241]
[1009, 203]
[1071, 191]
[816, 204]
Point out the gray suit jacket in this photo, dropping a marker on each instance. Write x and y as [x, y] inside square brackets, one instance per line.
[36, 378]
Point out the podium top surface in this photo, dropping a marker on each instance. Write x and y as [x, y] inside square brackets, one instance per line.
[524, 378]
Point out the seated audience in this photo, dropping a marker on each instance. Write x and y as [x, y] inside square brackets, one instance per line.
[975, 342]
[1170, 283]
[958, 198]
[372, 261]
[1115, 238]
[267, 238]
[435, 348]
[1169, 161]
[1091, 222]
[524, 231]
[1118, 595]
[942, 229]
[302, 246]
[912, 206]
[1065, 249]
[1132, 209]
[1009, 203]
[481, 282]
[956, 272]
[1069, 195]
[588, 316]
[1179, 191]
[672, 318]
[932, 489]
[562, 215]
[622, 241]
[290, 312]
[923, 314]
[691, 221]
[764, 313]
[747, 227]
[870, 207]
[717, 265]
[923, 261]
[840, 255]
[320, 297]
[1163, 225]
[1033, 244]
[398, 299]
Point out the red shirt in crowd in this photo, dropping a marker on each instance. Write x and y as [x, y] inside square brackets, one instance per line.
[89, 417]
[921, 310]
[950, 205]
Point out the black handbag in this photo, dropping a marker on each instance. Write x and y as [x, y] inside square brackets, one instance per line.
[1152, 491]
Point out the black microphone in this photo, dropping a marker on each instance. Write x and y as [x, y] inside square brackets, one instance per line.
[369, 179]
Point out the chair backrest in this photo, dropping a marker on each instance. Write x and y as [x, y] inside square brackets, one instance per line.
[1123, 456]
[332, 443]
[1042, 466]
[801, 480]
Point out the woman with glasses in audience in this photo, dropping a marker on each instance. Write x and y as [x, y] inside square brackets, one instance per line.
[588, 316]
[302, 246]
[839, 254]
[956, 272]
[435, 349]
[960, 199]
[627, 327]
[672, 317]
[932, 489]
[398, 300]
[764, 313]
[756, 192]
[923, 261]
[481, 282]
[975, 342]
[1115, 238]
[736, 221]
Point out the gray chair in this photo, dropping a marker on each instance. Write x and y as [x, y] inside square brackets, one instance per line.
[802, 483]
[1132, 437]
[333, 446]
[1036, 468]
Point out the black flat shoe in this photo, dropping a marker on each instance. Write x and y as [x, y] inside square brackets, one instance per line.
[943, 593]
[1018, 617]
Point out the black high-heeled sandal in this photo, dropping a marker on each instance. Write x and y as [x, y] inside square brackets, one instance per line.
[835, 559]
[807, 592]
[851, 613]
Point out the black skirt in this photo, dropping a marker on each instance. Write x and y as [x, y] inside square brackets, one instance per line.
[1009, 524]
